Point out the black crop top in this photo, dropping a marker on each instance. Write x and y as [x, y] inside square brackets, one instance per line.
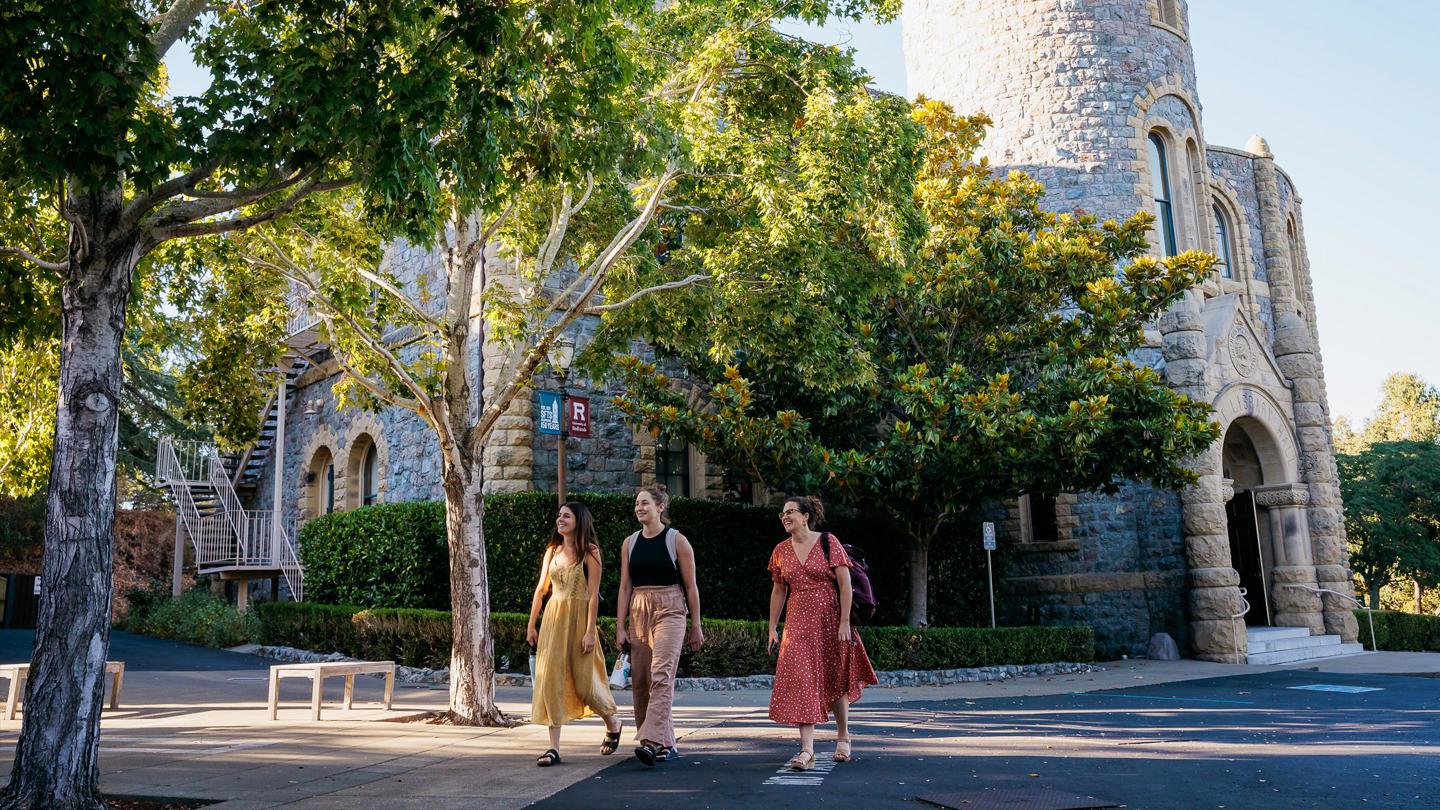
[650, 562]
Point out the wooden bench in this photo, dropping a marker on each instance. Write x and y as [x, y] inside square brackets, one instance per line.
[318, 672]
[19, 673]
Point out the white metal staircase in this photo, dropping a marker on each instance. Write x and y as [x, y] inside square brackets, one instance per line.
[229, 539]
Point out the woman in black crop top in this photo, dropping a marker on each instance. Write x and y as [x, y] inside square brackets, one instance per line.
[657, 585]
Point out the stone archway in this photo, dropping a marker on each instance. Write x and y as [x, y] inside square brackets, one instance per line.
[1266, 510]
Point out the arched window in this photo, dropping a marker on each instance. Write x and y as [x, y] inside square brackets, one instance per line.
[369, 481]
[1224, 254]
[327, 490]
[1160, 190]
[1170, 13]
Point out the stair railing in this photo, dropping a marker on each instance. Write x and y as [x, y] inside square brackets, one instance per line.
[1369, 614]
[1234, 632]
[178, 468]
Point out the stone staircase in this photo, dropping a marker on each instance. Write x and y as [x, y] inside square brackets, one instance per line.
[1291, 645]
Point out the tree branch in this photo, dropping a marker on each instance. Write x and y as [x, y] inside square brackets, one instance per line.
[143, 203]
[638, 294]
[173, 24]
[161, 234]
[57, 267]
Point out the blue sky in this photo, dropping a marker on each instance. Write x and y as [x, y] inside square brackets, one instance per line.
[1343, 92]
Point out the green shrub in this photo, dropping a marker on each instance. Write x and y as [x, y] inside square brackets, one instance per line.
[197, 617]
[390, 555]
[732, 648]
[1409, 632]
[393, 555]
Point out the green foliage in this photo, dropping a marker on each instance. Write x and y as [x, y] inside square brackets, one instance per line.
[1392, 512]
[390, 555]
[393, 555]
[986, 356]
[197, 617]
[1409, 410]
[22, 524]
[29, 373]
[1400, 631]
[732, 648]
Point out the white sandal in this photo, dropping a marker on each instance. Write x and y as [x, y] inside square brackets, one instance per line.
[803, 761]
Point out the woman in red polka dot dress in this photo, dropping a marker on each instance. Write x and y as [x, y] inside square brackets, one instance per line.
[822, 666]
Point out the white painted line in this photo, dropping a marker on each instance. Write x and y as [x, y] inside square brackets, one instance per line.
[1331, 687]
[177, 746]
[815, 777]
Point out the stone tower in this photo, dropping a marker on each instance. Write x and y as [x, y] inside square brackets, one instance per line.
[1097, 99]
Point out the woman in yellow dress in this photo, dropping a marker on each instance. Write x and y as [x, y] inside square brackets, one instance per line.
[570, 680]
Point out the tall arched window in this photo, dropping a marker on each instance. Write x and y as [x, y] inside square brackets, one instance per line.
[1170, 13]
[1160, 190]
[327, 492]
[369, 481]
[1223, 252]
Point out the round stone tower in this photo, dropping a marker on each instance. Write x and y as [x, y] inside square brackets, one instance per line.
[1069, 84]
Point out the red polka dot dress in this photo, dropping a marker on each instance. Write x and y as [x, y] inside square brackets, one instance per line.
[814, 668]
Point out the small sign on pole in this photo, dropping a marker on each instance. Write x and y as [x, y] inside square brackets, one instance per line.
[988, 534]
[549, 423]
[578, 411]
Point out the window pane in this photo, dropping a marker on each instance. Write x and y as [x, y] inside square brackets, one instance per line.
[672, 466]
[329, 504]
[1043, 525]
[1222, 245]
[369, 484]
[1160, 188]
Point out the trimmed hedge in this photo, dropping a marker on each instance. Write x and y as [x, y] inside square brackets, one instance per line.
[393, 555]
[1410, 632]
[732, 648]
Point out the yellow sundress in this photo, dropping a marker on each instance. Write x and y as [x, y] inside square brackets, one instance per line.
[569, 683]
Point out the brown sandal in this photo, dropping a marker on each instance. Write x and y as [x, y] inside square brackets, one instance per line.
[612, 741]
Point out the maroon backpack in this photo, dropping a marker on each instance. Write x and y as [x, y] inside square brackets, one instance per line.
[862, 599]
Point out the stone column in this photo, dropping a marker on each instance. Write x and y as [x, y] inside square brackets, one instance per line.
[1214, 592]
[1298, 355]
[1292, 564]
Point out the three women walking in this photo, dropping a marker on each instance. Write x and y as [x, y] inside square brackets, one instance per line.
[822, 666]
[569, 672]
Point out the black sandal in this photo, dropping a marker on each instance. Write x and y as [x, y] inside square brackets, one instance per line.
[551, 757]
[647, 753]
[612, 741]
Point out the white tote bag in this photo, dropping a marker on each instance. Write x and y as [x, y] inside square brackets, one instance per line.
[620, 675]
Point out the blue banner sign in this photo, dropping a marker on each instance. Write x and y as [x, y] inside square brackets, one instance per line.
[549, 422]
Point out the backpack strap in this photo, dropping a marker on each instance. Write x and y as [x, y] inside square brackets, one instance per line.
[670, 547]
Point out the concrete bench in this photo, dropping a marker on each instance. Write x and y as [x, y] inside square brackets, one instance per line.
[318, 672]
[18, 673]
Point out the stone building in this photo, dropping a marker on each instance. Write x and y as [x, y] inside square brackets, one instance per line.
[1098, 100]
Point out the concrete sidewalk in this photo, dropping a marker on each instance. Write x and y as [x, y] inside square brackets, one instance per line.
[204, 735]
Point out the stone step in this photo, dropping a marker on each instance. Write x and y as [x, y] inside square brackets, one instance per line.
[1268, 644]
[1302, 654]
[1267, 633]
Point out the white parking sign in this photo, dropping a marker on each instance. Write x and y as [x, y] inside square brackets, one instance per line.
[989, 536]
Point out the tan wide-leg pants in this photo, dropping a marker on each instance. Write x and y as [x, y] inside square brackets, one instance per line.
[657, 632]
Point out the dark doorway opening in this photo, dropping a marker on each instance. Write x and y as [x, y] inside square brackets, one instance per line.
[1247, 557]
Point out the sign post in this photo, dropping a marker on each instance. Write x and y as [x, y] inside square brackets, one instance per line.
[989, 536]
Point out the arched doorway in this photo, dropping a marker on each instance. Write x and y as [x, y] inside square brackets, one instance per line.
[1252, 552]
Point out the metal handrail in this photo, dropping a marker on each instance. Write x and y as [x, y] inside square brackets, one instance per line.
[1369, 613]
[1234, 633]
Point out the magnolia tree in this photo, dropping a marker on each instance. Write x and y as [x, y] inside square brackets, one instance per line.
[991, 357]
[103, 177]
[690, 107]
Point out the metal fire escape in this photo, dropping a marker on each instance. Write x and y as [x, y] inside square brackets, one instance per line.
[230, 540]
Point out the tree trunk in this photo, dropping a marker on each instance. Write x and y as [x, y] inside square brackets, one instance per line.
[1373, 587]
[472, 653]
[56, 759]
[1419, 597]
[918, 613]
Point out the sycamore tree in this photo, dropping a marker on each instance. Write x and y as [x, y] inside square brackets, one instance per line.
[1392, 513]
[102, 174]
[996, 359]
[1409, 410]
[690, 108]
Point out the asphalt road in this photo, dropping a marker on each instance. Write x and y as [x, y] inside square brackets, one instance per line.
[1252, 741]
[143, 654]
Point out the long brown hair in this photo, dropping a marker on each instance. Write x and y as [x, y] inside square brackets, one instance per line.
[584, 529]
